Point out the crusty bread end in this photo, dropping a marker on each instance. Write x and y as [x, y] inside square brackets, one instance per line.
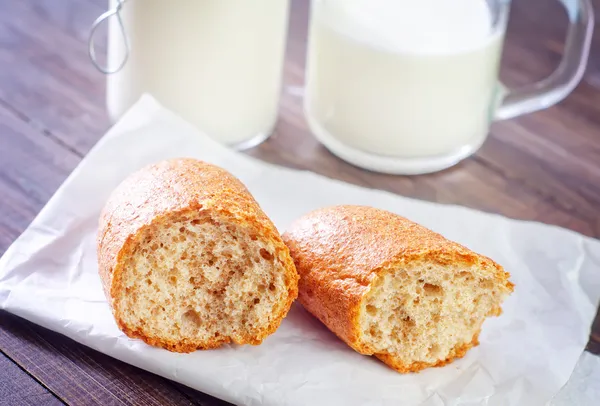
[391, 288]
[189, 261]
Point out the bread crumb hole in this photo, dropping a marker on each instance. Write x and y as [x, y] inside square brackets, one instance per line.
[181, 229]
[173, 279]
[371, 310]
[272, 287]
[432, 290]
[262, 288]
[149, 282]
[253, 237]
[435, 318]
[195, 222]
[184, 256]
[191, 317]
[256, 301]
[266, 254]
[374, 332]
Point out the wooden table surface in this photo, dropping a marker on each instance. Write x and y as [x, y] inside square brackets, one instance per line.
[543, 167]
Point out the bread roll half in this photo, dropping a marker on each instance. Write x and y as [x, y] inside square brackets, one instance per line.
[391, 288]
[189, 261]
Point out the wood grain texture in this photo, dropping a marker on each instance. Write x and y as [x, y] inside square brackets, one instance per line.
[19, 388]
[542, 167]
[51, 82]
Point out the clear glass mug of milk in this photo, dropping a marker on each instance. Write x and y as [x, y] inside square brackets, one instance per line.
[216, 63]
[411, 86]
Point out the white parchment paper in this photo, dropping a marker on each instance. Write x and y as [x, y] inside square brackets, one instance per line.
[49, 276]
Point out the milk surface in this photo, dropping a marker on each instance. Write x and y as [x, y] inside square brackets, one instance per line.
[402, 78]
[217, 63]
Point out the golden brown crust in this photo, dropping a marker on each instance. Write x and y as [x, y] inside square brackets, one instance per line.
[338, 251]
[178, 186]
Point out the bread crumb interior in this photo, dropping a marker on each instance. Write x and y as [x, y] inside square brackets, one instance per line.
[421, 314]
[194, 279]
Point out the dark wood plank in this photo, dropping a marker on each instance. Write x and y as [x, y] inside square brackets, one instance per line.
[17, 387]
[32, 167]
[594, 343]
[74, 18]
[59, 91]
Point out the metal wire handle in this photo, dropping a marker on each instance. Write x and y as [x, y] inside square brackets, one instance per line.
[116, 12]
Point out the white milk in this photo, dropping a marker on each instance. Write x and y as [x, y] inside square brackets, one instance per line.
[217, 63]
[401, 78]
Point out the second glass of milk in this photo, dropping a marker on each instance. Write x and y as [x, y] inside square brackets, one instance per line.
[403, 86]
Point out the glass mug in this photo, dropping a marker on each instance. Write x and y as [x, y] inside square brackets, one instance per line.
[411, 87]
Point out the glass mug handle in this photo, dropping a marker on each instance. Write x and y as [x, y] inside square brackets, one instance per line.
[565, 78]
